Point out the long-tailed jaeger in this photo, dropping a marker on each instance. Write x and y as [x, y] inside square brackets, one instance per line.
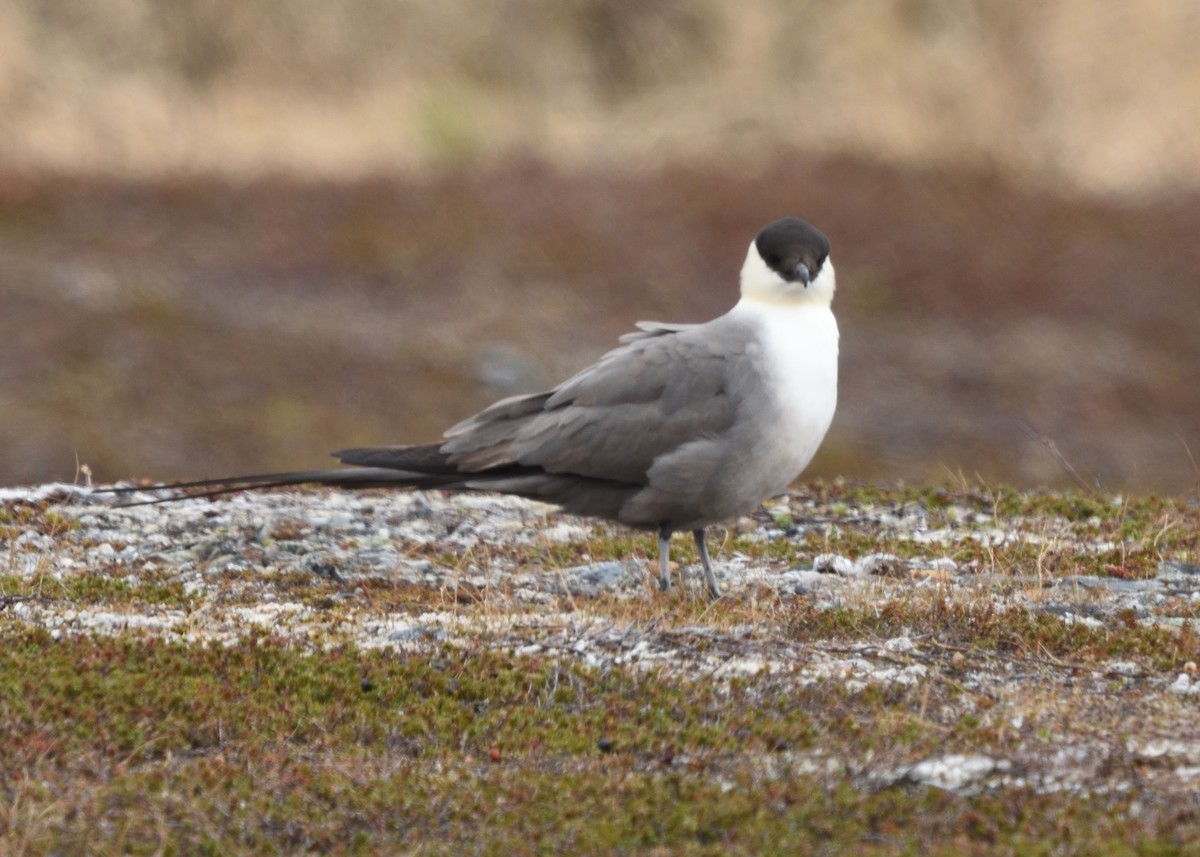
[680, 427]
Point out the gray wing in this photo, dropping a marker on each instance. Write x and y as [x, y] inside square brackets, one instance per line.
[648, 329]
[665, 388]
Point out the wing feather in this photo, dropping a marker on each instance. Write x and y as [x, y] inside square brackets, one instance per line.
[611, 421]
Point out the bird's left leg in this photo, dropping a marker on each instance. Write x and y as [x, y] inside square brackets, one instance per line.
[709, 577]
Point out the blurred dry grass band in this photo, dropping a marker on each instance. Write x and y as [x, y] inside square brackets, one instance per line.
[239, 88]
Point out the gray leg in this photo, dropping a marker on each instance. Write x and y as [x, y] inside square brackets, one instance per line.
[709, 577]
[664, 558]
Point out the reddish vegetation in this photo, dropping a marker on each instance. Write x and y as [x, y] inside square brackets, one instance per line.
[196, 328]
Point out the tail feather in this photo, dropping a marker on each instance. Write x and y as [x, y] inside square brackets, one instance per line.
[425, 459]
[424, 466]
[350, 477]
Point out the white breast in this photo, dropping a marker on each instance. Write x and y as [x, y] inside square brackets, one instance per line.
[799, 352]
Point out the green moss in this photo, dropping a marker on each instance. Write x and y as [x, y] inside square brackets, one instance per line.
[260, 747]
[109, 587]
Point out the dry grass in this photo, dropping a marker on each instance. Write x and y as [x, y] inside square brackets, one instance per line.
[246, 87]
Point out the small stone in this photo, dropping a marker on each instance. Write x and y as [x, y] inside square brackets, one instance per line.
[900, 645]
[591, 580]
[956, 772]
[831, 563]
[883, 565]
[1183, 683]
[1172, 568]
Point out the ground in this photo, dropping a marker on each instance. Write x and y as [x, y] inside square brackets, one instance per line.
[893, 670]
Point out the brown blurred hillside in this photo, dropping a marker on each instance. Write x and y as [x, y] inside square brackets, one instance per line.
[201, 328]
[234, 236]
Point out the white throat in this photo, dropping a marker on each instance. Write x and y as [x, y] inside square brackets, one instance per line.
[760, 284]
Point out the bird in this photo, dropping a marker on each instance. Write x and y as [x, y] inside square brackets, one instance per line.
[679, 428]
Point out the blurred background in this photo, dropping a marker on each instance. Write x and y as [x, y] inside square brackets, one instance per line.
[237, 234]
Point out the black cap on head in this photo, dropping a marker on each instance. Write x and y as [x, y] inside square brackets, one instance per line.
[793, 249]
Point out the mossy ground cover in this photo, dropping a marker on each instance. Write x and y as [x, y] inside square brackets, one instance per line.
[142, 742]
[140, 746]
